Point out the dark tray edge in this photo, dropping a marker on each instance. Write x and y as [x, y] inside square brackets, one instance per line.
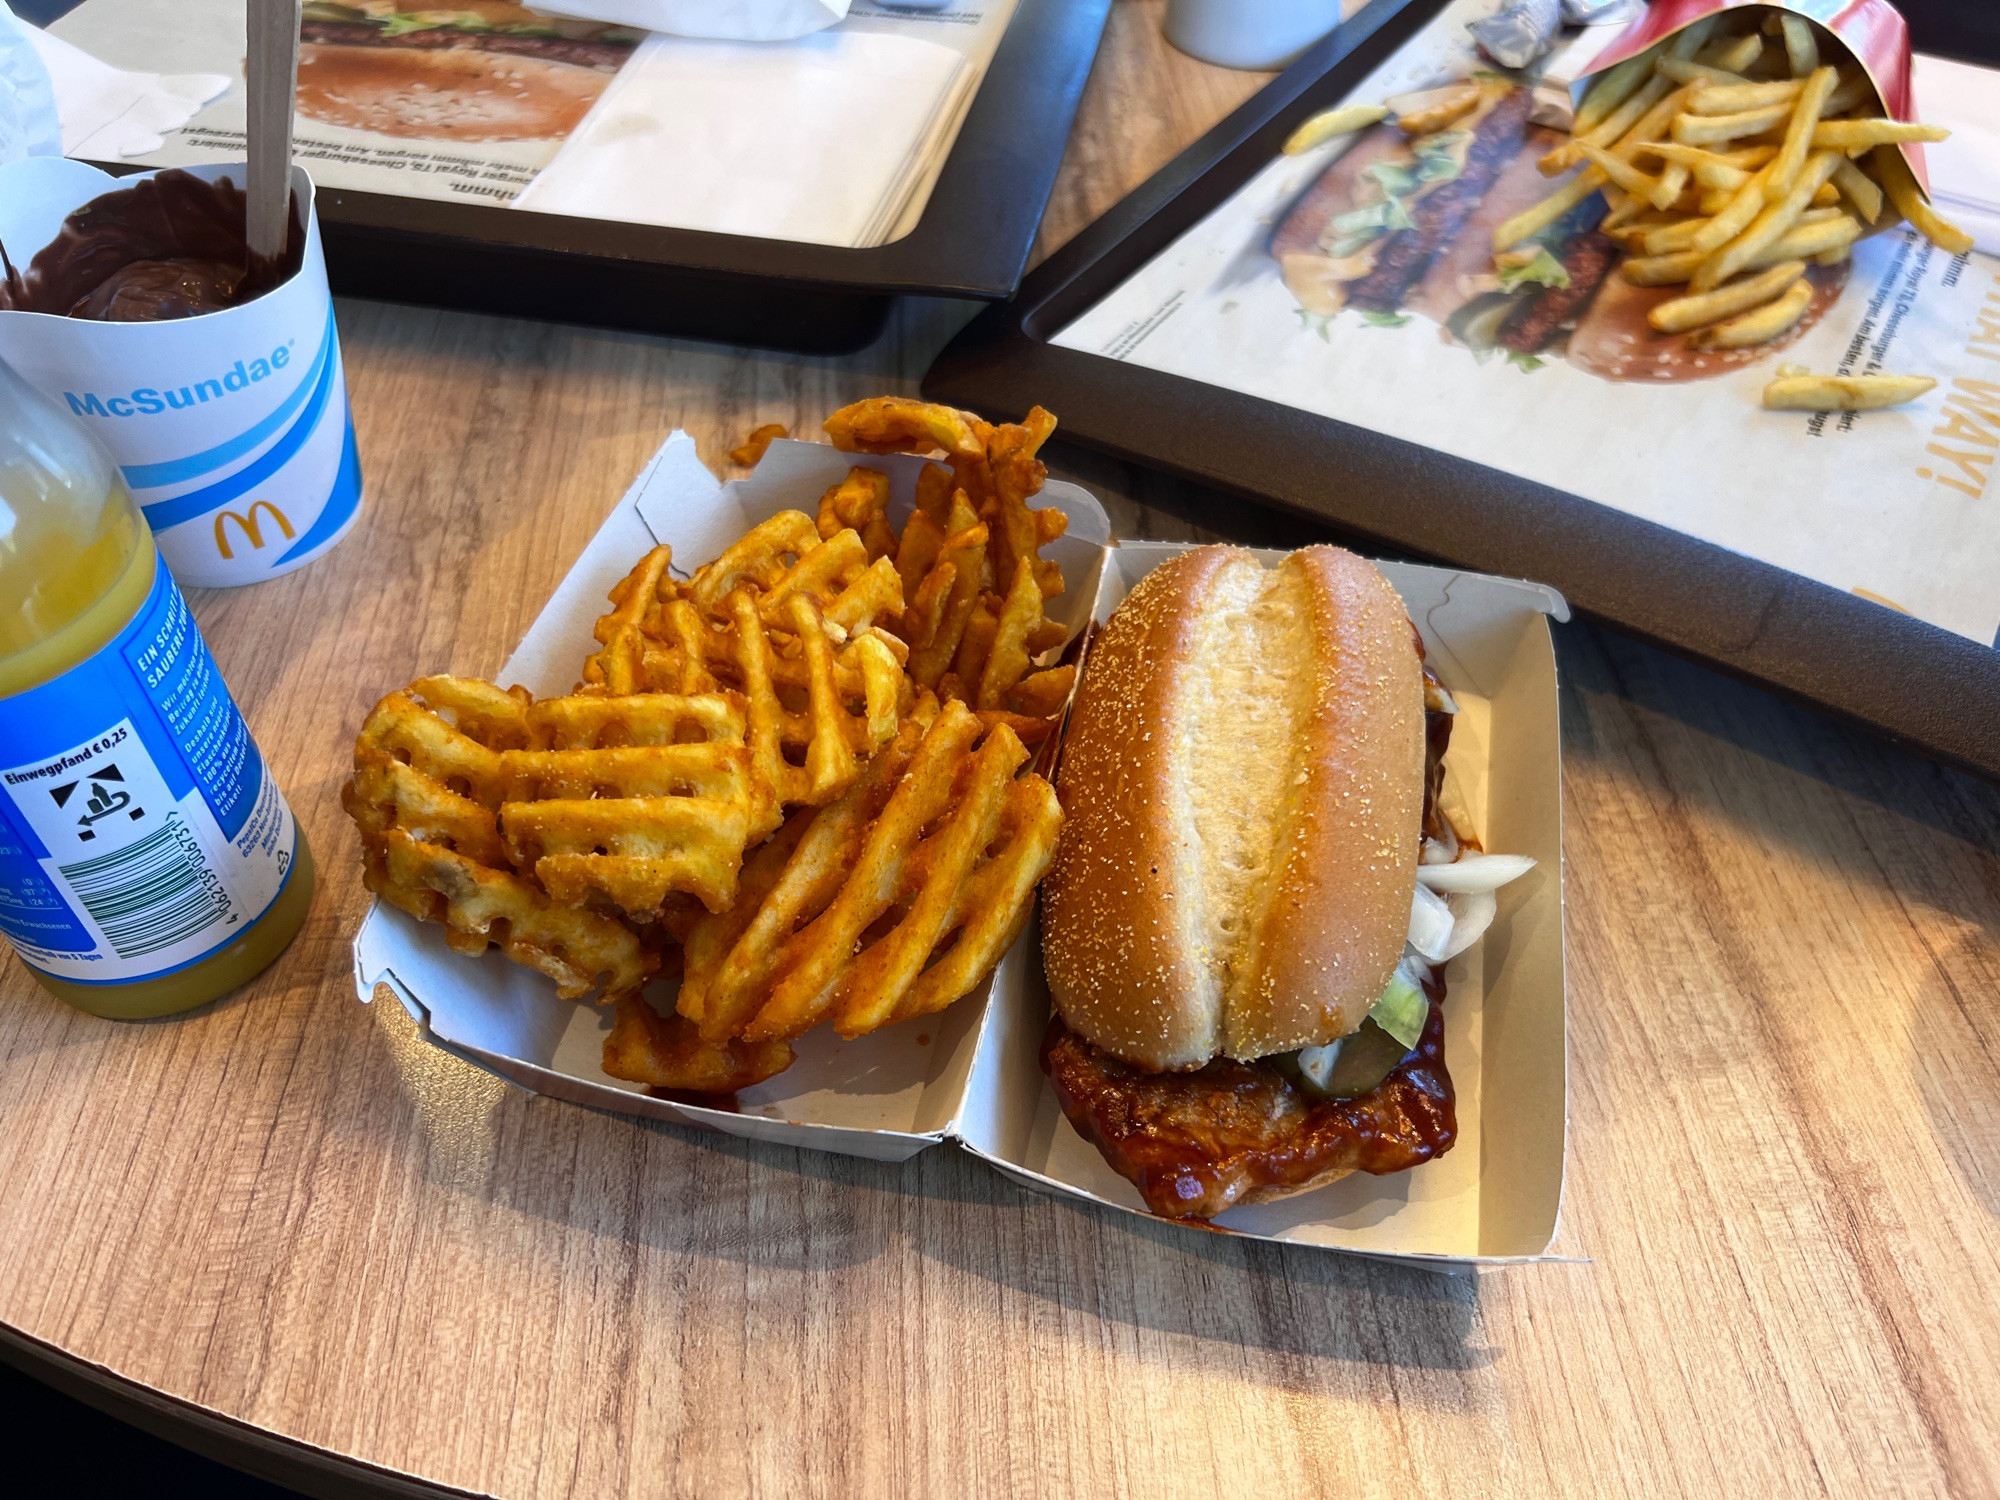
[253, 1450]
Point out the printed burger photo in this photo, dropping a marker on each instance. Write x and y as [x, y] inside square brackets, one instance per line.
[481, 70]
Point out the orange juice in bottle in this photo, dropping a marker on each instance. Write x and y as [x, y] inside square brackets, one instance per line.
[148, 862]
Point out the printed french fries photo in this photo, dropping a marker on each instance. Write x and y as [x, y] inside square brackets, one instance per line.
[1741, 157]
[1710, 188]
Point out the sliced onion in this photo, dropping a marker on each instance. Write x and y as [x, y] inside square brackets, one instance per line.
[1472, 914]
[1317, 1063]
[1431, 923]
[1475, 872]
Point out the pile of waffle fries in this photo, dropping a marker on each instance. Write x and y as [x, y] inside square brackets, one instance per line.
[797, 775]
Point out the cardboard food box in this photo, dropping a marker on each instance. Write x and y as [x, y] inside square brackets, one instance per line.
[971, 1074]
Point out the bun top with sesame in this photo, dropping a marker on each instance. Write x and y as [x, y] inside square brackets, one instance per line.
[1242, 784]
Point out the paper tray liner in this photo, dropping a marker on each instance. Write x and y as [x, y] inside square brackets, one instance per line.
[971, 1074]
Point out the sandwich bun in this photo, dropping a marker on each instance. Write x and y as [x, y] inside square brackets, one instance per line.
[1242, 783]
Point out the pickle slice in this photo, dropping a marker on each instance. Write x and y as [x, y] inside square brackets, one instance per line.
[1353, 1066]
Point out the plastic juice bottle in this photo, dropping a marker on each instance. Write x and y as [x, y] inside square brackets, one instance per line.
[148, 862]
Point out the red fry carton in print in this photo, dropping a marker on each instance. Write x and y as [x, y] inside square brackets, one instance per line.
[1871, 33]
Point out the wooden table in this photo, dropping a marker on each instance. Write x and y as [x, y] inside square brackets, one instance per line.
[287, 1230]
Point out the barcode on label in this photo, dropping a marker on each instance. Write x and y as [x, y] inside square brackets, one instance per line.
[149, 895]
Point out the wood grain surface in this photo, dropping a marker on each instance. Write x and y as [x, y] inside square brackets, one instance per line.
[1784, 1176]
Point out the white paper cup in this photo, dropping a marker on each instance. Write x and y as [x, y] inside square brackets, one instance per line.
[232, 428]
[1249, 33]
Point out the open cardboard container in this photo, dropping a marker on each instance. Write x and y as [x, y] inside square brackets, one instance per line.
[970, 1074]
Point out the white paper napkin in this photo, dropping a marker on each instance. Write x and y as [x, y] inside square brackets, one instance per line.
[1965, 170]
[28, 122]
[108, 113]
[723, 20]
[801, 141]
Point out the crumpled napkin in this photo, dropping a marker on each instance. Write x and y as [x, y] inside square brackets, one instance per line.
[28, 124]
[106, 112]
[716, 20]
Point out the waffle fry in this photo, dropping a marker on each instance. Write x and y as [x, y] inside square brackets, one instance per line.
[426, 798]
[898, 424]
[859, 503]
[667, 1052]
[607, 801]
[996, 467]
[886, 905]
[813, 712]
[480, 907]
[750, 452]
[975, 502]
[632, 798]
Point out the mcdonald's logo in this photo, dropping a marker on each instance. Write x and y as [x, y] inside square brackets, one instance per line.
[252, 531]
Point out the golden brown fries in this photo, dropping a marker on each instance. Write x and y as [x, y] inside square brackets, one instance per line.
[1806, 392]
[430, 781]
[1801, 134]
[1774, 219]
[1857, 135]
[1668, 269]
[889, 904]
[1451, 104]
[898, 424]
[1656, 190]
[757, 767]
[1685, 313]
[1859, 189]
[822, 686]
[667, 1052]
[626, 800]
[1702, 130]
[1901, 185]
[859, 503]
[750, 451]
[1329, 123]
[1733, 98]
[1758, 327]
[1729, 157]
[1608, 90]
[609, 803]
[960, 558]
[1734, 56]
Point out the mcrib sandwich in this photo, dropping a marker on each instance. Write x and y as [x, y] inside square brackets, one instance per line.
[1246, 964]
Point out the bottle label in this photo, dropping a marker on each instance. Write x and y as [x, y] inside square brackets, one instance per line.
[139, 830]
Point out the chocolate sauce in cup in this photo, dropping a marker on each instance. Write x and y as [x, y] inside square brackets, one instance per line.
[212, 374]
[172, 245]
